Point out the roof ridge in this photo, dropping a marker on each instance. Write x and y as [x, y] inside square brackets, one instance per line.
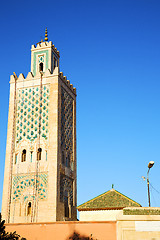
[127, 197]
[96, 197]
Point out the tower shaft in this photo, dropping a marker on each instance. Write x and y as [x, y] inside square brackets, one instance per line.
[40, 167]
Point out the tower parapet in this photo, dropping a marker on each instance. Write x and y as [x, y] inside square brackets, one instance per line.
[30, 76]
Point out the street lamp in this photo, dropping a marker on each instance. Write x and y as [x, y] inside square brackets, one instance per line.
[150, 165]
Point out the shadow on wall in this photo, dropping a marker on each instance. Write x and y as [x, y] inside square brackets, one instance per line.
[76, 236]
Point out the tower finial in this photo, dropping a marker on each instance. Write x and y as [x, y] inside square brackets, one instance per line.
[46, 35]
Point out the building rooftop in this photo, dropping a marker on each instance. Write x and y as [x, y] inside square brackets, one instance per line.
[111, 199]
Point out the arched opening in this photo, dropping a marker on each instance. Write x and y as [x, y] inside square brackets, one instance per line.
[39, 154]
[29, 209]
[55, 63]
[23, 155]
[41, 67]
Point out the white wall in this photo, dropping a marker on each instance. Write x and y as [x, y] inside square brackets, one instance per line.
[99, 215]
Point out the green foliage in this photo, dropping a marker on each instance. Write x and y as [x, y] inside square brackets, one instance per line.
[76, 236]
[6, 235]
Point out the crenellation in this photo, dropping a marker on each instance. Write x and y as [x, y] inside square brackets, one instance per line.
[47, 73]
[49, 43]
[61, 74]
[13, 78]
[43, 44]
[21, 77]
[71, 86]
[15, 75]
[74, 90]
[29, 76]
[33, 46]
[68, 82]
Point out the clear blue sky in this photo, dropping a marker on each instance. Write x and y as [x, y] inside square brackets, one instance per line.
[110, 51]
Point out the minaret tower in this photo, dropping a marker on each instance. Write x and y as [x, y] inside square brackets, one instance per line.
[40, 166]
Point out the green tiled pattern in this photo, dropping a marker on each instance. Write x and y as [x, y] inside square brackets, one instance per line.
[141, 211]
[32, 113]
[22, 184]
[110, 199]
[40, 60]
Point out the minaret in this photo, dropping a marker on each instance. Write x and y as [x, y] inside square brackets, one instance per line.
[40, 167]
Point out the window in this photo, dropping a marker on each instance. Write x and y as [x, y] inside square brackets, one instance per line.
[23, 155]
[66, 207]
[16, 158]
[41, 67]
[68, 161]
[63, 158]
[55, 63]
[39, 153]
[31, 155]
[29, 209]
[46, 155]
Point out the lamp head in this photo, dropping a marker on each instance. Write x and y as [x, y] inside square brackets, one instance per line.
[150, 164]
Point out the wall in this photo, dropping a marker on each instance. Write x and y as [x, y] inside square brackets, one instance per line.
[126, 227]
[138, 227]
[64, 230]
[98, 215]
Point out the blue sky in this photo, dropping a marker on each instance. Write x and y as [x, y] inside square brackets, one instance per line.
[110, 51]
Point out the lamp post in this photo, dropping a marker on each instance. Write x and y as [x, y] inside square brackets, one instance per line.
[150, 165]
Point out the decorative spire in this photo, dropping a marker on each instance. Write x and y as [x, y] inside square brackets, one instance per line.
[46, 35]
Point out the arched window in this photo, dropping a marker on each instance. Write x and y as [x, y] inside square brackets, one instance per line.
[41, 67]
[29, 209]
[23, 155]
[55, 63]
[39, 154]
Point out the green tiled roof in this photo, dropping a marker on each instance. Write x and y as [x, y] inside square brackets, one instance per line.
[108, 200]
